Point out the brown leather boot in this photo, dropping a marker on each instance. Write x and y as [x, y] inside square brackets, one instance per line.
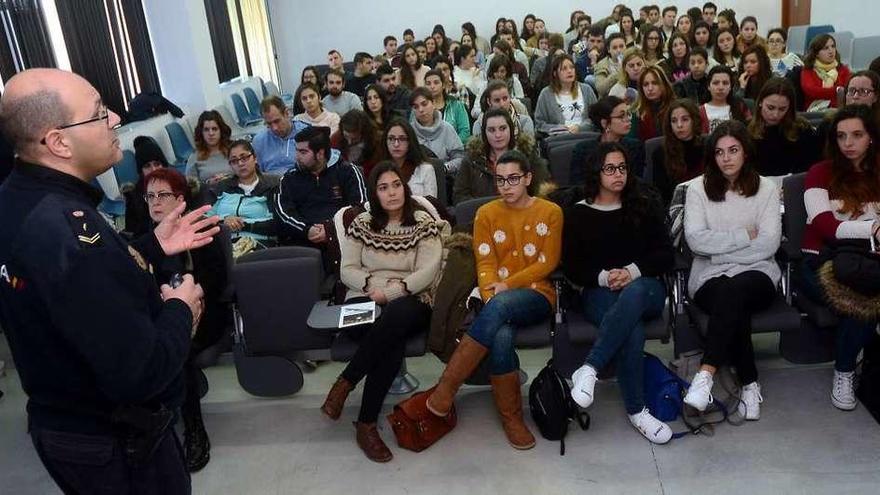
[508, 399]
[464, 361]
[336, 398]
[371, 443]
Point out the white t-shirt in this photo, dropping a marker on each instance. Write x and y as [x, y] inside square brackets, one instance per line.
[572, 108]
[716, 115]
[249, 188]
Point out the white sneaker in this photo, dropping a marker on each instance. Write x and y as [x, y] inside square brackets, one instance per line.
[750, 401]
[699, 394]
[842, 391]
[583, 382]
[650, 427]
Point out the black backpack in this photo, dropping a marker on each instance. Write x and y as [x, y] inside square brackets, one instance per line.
[551, 406]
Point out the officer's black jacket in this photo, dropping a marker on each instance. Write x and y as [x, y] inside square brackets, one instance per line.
[85, 321]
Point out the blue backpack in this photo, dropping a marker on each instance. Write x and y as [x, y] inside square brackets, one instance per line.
[664, 390]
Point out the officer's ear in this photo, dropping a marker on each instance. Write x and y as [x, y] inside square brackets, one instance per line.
[57, 143]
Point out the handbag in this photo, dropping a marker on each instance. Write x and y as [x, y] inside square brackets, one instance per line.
[849, 272]
[417, 428]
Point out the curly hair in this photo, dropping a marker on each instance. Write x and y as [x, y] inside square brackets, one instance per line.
[853, 187]
[673, 149]
[202, 148]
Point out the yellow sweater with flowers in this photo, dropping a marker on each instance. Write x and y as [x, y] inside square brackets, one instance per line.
[519, 247]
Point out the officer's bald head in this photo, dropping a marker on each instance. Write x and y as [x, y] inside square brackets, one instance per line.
[33, 103]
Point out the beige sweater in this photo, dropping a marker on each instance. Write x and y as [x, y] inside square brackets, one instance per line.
[398, 260]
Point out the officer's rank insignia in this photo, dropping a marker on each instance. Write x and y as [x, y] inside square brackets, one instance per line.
[139, 259]
[79, 224]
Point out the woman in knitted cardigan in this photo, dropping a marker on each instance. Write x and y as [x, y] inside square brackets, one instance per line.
[390, 254]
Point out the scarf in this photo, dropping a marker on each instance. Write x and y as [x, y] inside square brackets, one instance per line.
[826, 72]
[514, 116]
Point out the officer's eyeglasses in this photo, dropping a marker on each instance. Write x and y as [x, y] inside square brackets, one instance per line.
[513, 180]
[610, 169]
[103, 114]
[240, 159]
[160, 197]
[863, 92]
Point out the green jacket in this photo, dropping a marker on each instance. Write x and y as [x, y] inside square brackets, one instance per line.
[456, 114]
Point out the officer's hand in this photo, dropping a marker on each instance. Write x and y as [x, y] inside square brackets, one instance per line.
[177, 233]
[189, 292]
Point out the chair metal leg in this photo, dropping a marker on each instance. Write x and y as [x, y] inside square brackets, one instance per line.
[404, 383]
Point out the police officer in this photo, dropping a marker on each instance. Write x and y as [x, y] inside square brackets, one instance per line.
[98, 347]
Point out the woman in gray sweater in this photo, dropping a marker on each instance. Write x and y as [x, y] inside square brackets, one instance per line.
[733, 226]
[208, 164]
[433, 132]
[563, 106]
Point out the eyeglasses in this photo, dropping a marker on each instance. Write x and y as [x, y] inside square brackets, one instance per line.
[513, 180]
[241, 159]
[776, 42]
[610, 169]
[103, 114]
[397, 140]
[863, 92]
[623, 116]
[160, 197]
[652, 38]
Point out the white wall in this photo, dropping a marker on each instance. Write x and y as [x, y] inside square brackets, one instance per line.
[305, 31]
[858, 16]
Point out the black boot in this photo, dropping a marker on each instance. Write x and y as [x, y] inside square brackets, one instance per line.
[196, 445]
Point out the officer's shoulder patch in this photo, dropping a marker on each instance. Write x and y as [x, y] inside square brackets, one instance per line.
[85, 228]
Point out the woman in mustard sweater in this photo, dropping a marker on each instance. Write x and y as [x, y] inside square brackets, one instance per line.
[517, 244]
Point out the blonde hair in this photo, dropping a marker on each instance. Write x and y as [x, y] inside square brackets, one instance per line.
[629, 54]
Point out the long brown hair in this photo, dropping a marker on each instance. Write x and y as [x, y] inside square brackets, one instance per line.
[715, 183]
[756, 82]
[816, 46]
[225, 133]
[555, 85]
[407, 76]
[673, 148]
[853, 187]
[643, 107]
[791, 124]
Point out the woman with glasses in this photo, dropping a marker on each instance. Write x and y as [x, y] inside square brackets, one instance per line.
[148, 157]
[611, 116]
[823, 73]
[616, 246]
[517, 244]
[166, 189]
[681, 156]
[476, 177]
[652, 44]
[733, 227]
[781, 61]
[208, 164]
[402, 148]
[244, 201]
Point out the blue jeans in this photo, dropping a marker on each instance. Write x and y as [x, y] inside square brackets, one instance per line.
[852, 334]
[495, 326]
[619, 316]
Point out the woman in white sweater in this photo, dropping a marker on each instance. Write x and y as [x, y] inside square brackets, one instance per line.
[733, 226]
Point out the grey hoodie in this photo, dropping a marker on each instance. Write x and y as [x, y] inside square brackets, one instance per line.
[442, 140]
[342, 104]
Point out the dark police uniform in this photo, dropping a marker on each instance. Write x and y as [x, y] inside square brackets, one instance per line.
[98, 352]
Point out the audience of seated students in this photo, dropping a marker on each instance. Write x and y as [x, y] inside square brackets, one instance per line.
[517, 245]
[822, 74]
[724, 104]
[433, 132]
[496, 95]
[677, 58]
[682, 154]
[500, 69]
[310, 193]
[748, 35]
[616, 246]
[376, 106]
[727, 20]
[274, 145]
[246, 200]
[696, 85]
[842, 197]
[397, 96]
[166, 192]
[725, 51]
[785, 143]
[733, 227]
[208, 163]
[314, 112]
[651, 44]
[481, 44]
[781, 60]
[655, 96]
[588, 58]
[451, 109]
[390, 254]
[511, 49]
[612, 118]
[539, 30]
[633, 64]
[563, 106]
[754, 71]
[411, 73]
[359, 140]
[701, 36]
[497, 134]
[148, 157]
[390, 56]
[400, 146]
[607, 69]
[363, 76]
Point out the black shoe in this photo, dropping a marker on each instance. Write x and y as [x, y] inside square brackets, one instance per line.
[196, 445]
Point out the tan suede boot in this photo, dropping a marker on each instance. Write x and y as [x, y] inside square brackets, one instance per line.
[508, 399]
[464, 361]
[335, 400]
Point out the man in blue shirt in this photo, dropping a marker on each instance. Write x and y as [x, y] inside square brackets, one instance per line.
[275, 148]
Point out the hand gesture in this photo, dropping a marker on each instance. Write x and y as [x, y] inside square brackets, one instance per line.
[618, 278]
[177, 234]
[744, 80]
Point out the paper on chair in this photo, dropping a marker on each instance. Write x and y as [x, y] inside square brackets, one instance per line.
[357, 314]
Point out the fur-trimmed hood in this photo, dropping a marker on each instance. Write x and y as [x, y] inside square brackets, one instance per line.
[845, 300]
[476, 149]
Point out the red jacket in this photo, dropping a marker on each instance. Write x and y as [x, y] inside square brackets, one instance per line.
[813, 90]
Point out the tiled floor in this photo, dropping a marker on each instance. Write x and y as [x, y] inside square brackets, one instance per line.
[800, 445]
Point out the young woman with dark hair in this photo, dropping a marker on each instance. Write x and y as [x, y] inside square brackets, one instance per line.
[310, 75]
[823, 73]
[652, 44]
[451, 109]
[376, 105]
[684, 25]
[411, 74]
[565, 103]
[432, 53]
[748, 35]
[358, 140]
[676, 64]
[842, 197]
[528, 27]
[616, 246]
[781, 60]
[725, 51]
[627, 27]
[479, 58]
[733, 227]
[754, 71]
[496, 95]
[480, 43]
[208, 163]
[390, 254]
[401, 147]
[681, 156]
[724, 104]
[313, 110]
[785, 143]
[701, 36]
[612, 118]
[727, 20]
[655, 96]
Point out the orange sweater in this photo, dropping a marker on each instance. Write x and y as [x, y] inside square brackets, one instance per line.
[520, 247]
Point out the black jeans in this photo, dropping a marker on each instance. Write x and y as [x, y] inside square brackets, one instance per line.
[95, 464]
[381, 351]
[730, 302]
